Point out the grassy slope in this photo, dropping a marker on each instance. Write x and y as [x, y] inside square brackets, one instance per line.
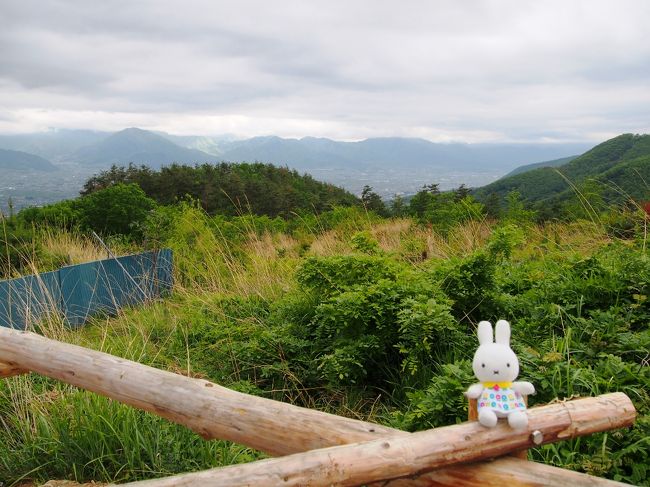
[537, 165]
[579, 330]
[602, 162]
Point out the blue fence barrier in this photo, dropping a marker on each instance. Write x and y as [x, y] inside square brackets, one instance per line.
[80, 291]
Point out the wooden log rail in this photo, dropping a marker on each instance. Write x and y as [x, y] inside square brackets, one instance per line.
[281, 429]
[385, 459]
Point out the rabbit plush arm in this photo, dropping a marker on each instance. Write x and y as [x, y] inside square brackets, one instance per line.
[524, 388]
[474, 391]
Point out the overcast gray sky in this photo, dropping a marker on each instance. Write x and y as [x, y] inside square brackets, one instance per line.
[473, 71]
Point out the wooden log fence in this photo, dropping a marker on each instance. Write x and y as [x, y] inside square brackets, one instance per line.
[385, 459]
[379, 453]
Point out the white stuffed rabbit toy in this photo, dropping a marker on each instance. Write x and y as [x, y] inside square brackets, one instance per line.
[496, 366]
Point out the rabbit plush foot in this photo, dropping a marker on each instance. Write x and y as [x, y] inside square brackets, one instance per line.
[488, 418]
[518, 420]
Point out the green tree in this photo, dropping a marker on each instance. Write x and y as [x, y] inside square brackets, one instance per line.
[373, 202]
[461, 193]
[445, 212]
[229, 189]
[119, 209]
[515, 209]
[587, 203]
[398, 207]
[422, 200]
[493, 206]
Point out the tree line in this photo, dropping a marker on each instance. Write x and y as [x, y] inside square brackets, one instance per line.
[229, 189]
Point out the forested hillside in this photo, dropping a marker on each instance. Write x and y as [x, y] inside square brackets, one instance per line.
[230, 189]
[615, 171]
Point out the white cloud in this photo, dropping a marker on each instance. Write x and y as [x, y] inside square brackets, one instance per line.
[444, 70]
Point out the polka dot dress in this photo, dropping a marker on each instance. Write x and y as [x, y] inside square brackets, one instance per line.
[501, 400]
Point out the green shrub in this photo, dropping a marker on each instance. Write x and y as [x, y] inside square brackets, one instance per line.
[119, 209]
[375, 320]
[441, 403]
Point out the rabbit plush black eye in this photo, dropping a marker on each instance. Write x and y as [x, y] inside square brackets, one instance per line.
[483, 365]
[507, 365]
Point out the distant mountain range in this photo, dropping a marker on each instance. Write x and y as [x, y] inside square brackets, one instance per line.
[389, 152]
[56, 145]
[137, 146]
[389, 165]
[156, 149]
[22, 161]
[620, 166]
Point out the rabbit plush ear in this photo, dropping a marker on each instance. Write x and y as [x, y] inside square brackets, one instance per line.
[503, 332]
[485, 333]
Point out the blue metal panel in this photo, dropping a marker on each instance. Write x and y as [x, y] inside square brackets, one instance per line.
[165, 272]
[83, 290]
[27, 300]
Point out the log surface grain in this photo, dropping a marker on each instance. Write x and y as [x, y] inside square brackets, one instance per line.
[9, 370]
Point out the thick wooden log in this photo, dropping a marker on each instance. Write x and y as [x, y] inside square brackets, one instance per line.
[8, 370]
[510, 471]
[472, 415]
[384, 459]
[211, 410]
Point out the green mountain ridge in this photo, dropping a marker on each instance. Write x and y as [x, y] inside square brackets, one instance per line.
[620, 167]
[536, 165]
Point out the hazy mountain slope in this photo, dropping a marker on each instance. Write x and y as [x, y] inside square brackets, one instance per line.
[137, 146]
[213, 145]
[56, 145]
[612, 163]
[311, 152]
[141, 146]
[22, 161]
[529, 167]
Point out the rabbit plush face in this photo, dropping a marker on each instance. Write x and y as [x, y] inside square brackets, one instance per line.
[495, 361]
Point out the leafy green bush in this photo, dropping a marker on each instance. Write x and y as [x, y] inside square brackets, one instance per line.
[119, 209]
[374, 319]
[441, 403]
[18, 247]
[471, 284]
[64, 214]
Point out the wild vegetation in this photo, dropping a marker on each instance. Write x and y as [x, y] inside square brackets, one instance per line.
[346, 311]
